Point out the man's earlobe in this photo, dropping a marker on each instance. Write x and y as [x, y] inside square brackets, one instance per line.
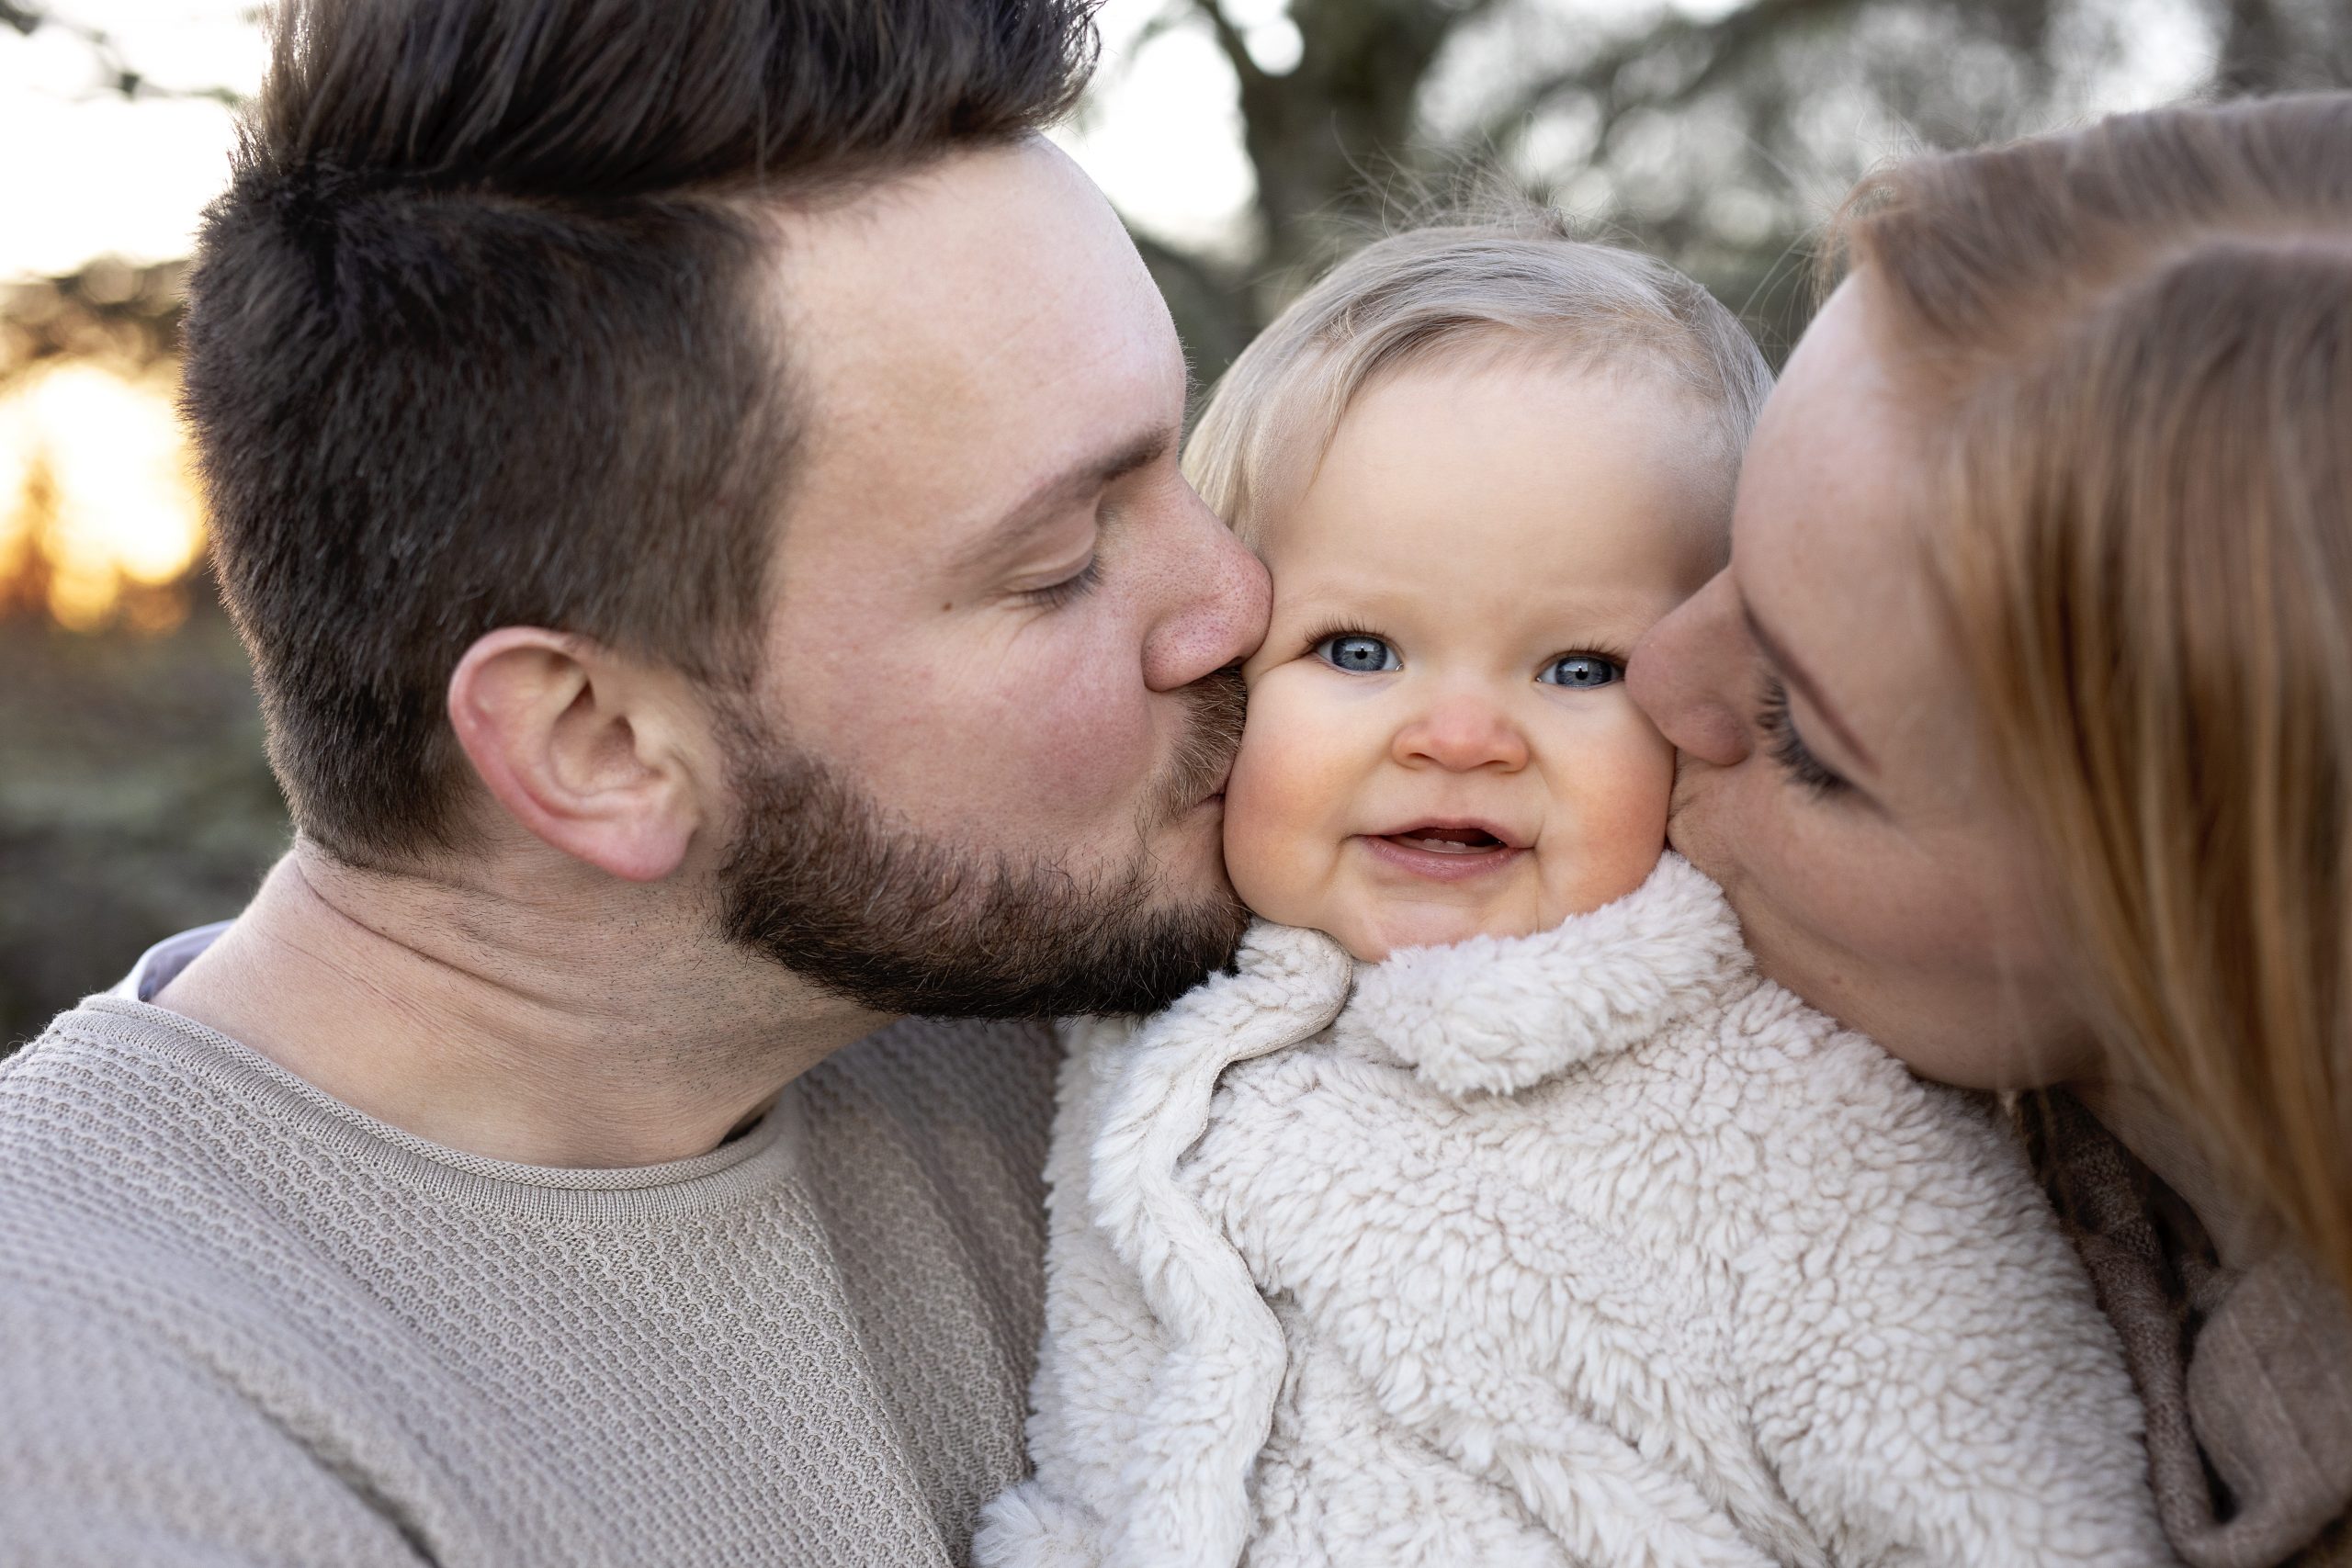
[586, 750]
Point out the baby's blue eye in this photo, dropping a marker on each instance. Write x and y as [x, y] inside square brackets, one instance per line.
[1581, 672]
[1358, 654]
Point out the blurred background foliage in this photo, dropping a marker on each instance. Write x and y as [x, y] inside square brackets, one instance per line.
[133, 797]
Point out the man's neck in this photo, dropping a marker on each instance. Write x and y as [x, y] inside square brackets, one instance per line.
[586, 1026]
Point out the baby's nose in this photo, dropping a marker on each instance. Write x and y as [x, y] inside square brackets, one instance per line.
[1461, 733]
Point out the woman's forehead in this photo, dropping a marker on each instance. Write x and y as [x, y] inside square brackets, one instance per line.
[1829, 558]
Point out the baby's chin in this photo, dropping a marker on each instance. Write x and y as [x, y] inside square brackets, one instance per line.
[1372, 927]
[1373, 934]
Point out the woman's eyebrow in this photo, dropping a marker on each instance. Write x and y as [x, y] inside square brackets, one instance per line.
[1794, 674]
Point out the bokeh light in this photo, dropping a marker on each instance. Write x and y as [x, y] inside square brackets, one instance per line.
[100, 518]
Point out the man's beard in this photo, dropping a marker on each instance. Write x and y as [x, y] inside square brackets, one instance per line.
[820, 880]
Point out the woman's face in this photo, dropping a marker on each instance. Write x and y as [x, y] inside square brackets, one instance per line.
[1830, 777]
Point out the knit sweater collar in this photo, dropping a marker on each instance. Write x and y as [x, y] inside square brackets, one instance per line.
[1498, 1014]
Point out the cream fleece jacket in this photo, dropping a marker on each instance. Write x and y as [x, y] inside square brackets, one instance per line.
[1589, 1248]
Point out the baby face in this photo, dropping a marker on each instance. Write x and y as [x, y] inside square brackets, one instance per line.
[1440, 745]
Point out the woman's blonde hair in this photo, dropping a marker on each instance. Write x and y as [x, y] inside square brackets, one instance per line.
[2135, 342]
[1516, 279]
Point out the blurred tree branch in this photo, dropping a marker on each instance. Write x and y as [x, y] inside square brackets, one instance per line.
[109, 310]
[1209, 303]
[1715, 140]
[1681, 58]
[1229, 40]
[116, 72]
[2271, 46]
[1315, 134]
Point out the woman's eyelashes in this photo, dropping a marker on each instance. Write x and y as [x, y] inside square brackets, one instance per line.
[1789, 749]
[1358, 653]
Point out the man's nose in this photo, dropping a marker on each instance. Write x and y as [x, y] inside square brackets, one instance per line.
[1462, 732]
[1220, 598]
[1687, 673]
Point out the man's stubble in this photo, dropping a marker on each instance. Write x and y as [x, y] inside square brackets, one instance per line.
[821, 880]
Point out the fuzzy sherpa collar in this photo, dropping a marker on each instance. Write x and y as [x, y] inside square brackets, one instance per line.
[1497, 1014]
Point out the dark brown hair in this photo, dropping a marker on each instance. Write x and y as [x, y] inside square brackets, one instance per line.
[475, 336]
[2136, 342]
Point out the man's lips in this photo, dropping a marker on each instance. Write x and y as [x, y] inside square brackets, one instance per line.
[1446, 850]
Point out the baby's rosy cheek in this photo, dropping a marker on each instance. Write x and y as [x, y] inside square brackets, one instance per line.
[1264, 830]
[1632, 796]
[1617, 805]
[1281, 808]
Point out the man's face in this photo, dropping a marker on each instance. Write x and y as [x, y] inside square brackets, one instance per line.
[983, 771]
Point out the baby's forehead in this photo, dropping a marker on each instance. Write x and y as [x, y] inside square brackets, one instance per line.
[1305, 407]
[1529, 472]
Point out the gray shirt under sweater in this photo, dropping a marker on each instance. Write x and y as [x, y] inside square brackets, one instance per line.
[242, 1323]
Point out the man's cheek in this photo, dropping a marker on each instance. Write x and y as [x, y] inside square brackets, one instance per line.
[1084, 749]
[1017, 775]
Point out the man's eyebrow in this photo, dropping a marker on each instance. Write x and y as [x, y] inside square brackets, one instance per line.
[1795, 675]
[1051, 497]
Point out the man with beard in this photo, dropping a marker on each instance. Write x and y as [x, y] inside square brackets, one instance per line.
[698, 486]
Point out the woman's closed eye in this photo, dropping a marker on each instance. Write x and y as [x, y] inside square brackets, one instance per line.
[1582, 671]
[1789, 749]
[1358, 653]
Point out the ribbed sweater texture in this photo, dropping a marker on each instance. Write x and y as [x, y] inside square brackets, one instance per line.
[242, 1323]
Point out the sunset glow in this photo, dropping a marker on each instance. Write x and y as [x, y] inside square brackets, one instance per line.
[97, 500]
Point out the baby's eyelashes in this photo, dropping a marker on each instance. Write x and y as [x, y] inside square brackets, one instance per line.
[1358, 653]
[1362, 653]
[1582, 671]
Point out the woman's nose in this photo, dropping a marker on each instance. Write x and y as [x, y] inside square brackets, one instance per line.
[1461, 733]
[1687, 673]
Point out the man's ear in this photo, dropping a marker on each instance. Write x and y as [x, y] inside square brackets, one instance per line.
[594, 753]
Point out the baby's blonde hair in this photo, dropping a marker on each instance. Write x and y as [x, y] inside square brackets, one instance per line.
[1518, 282]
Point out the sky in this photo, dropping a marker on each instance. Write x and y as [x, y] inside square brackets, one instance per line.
[107, 175]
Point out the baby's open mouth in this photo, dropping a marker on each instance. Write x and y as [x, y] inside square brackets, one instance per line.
[1445, 852]
[1447, 841]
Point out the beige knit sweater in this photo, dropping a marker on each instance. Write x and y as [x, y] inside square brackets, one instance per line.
[241, 1322]
[2246, 1371]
